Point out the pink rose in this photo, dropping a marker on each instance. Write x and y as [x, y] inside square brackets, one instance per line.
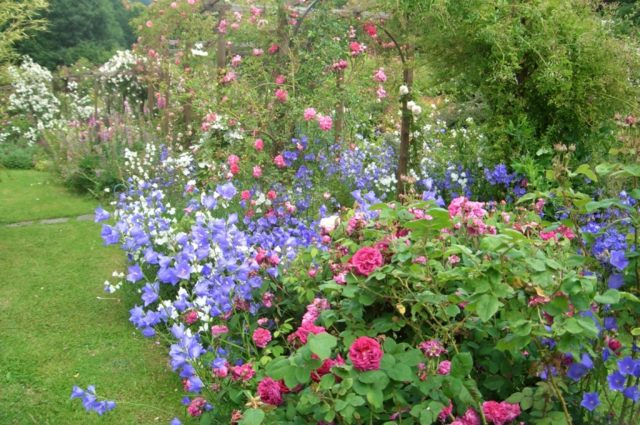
[282, 95]
[444, 367]
[257, 171]
[324, 122]
[242, 373]
[444, 413]
[269, 392]
[366, 260]
[261, 337]
[309, 114]
[236, 60]
[257, 52]
[280, 80]
[379, 76]
[279, 161]
[325, 368]
[365, 353]
[500, 413]
[258, 144]
[191, 317]
[219, 330]
[196, 407]
[246, 195]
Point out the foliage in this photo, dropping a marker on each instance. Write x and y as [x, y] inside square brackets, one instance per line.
[80, 29]
[536, 66]
[17, 20]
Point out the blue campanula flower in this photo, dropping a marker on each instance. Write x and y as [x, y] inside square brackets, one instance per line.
[101, 215]
[590, 401]
[616, 381]
[618, 259]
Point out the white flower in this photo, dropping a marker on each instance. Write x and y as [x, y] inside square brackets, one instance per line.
[404, 90]
[328, 224]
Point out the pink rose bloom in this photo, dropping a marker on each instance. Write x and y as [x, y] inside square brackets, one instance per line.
[470, 417]
[258, 144]
[236, 60]
[379, 76]
[269, 392]
[191, 1]
[324, 122]
[365, 353]
[279, 161]
[325, 368]
[370, 29]
[261, 337]
[174, 5]
[500, 413]
[282, 95]
[233, 159]
[420, 260]
[453, 260]
[357, 48]
[245, 195]
[257, 172]
[280, 79]
[545, 236]
[229, 77]
[274, 48]
[302, 333]
[340, 65]
[444, 367]
[381, 92]
[366, 260]
[432, 348]
[309, 114]
[257, 52]
[149, 24]
[219, 330]
[271, 195]
[242, 373]
[196, 407]
[444, 413]
[267, 299]
[222, 26]
[191, 317]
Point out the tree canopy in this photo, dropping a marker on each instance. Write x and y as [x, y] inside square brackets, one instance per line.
[92, 29]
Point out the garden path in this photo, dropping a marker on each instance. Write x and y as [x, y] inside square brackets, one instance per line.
[57, 327]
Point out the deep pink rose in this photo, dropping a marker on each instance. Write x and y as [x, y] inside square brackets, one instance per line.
[325, 368]
[269, 392]
[261, 337]
[500, 413]
[366, 260]
[365, 353]
[244, 372]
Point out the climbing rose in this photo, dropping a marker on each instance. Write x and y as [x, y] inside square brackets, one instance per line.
[279, 161]
[261, 337]
[325, 368]
[258, 144]
[282, 95]
[325, 122]
[269, 392]
[500, 413]
[366, 260]
[379, 76]
[365, 353]
[370, 29]
[432, 348]
[309, 114]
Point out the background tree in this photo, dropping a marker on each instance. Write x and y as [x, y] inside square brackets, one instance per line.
[17, 21]
[76, 29]
[540, 71]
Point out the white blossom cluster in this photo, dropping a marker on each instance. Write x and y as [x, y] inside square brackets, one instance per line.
[117, 74]
[79, 104]
[33, 99]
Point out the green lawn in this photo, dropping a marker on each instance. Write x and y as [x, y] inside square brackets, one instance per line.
[55, 333]
[33, 195]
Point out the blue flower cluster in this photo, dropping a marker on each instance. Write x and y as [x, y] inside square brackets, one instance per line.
[90, 400]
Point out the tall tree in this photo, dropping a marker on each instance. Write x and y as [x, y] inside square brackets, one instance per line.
[17, 20]
[76, 29]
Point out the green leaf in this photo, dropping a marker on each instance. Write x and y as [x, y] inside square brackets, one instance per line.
[252, 417]
[401, 372]
[586, 170]
[486, 306]
[321, 344]
[461, 365]
[375, 397]
[611, 296]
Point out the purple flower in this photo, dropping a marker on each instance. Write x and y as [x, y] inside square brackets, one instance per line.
[616, 381]
[627, 365]
[616, 281]
[101, 215]
[590, 401]
[135, 273]
[90, 400]
[226, 191]
[618, 259]
[175, 421]
[577, 371]
[632, 393]
[110, 235]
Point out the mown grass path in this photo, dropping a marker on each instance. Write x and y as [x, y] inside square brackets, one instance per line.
[54, 331]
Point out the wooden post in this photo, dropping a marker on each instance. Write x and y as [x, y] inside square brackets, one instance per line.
[405, 131]
[339, 123]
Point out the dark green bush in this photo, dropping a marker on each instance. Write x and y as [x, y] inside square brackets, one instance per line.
[14, 157]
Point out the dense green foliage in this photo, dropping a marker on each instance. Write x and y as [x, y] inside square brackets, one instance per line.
[17, 21]
[541, 71]
[76, 29]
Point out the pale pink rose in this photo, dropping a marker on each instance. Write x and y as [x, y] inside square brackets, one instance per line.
[309, 114]
[325, 122]
[257, 172]
[258, 144]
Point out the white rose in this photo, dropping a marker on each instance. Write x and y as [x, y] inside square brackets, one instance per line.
[328, 224]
